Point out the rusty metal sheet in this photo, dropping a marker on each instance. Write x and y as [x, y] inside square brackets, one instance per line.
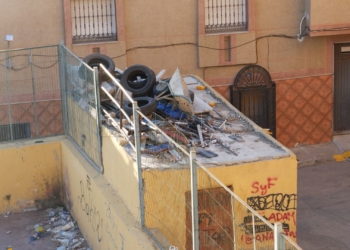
[214, 219]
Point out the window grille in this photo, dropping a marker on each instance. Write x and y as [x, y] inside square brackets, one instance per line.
[9, 132]
[93, 20]
[225, 16]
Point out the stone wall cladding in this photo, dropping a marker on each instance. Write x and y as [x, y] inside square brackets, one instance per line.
[49, 115]
[304, 110]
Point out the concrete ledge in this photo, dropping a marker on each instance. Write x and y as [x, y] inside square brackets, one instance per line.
[324, 152]
[342, 142]
[303, 157]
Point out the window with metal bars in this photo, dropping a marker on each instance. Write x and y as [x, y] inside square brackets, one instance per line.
[93, 21]
[225, 16]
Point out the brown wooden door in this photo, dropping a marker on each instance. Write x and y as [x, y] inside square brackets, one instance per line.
[341, 113]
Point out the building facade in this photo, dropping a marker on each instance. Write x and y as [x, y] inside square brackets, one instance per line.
[302, 44]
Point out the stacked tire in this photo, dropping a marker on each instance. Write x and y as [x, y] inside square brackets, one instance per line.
[138, 79]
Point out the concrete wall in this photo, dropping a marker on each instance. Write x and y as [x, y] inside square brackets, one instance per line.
[327, 21]
[120, 171]
[43, 174]
[52, 172]
[31, 175]
[257, 183]
[32, 23]
[104, 220]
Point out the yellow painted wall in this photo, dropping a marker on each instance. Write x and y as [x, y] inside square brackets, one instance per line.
[262, 181]
[103, 219]
[120, 171]
[32, 23]
[31, 175]
[336, 12]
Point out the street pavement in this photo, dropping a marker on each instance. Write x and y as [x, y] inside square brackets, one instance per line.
[323, 210]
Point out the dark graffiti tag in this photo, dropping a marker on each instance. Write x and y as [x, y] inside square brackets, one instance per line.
[205, 217]
[111, 228]
[278, 202]
[215, 238]
[87, 206]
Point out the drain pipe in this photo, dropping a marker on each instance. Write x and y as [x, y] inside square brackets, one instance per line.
[300, 38]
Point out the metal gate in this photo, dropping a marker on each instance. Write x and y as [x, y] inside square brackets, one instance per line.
[341, 88]
[254, 94]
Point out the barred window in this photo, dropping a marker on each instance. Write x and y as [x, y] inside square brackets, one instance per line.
[93, 20]
[225, 16]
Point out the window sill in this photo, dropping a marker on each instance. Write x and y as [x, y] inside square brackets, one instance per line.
[94, 43]
[228, 33]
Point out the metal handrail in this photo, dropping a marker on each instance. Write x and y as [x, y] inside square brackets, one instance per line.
[116, 83]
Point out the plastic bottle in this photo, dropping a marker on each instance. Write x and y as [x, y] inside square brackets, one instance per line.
[68, 226]
[58, 223]
[63, 242]
[69, 235]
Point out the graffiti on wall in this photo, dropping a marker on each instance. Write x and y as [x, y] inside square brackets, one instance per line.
[274, 207]
[87, 205]
[278, 202]
[106, 231]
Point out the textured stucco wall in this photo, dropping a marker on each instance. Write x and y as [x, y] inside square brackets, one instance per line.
[31, 175]
[32, 23]
[325, 21]
[104, 220]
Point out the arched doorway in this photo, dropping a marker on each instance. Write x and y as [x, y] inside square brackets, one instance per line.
[254, 94]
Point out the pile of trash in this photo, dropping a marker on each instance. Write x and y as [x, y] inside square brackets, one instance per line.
[61, 227]
[184, 108]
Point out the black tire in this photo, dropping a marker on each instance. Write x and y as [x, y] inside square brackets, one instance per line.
[147, 105]
[138, 88]
[159, 87]
[94, 60]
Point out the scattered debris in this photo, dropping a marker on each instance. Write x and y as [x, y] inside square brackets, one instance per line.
[183, 108]
[206, 153]
[237, 138]
[61, 227]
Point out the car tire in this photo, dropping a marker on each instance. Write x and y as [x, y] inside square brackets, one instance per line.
[129, 80]
[147, 105]
[94, 60]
